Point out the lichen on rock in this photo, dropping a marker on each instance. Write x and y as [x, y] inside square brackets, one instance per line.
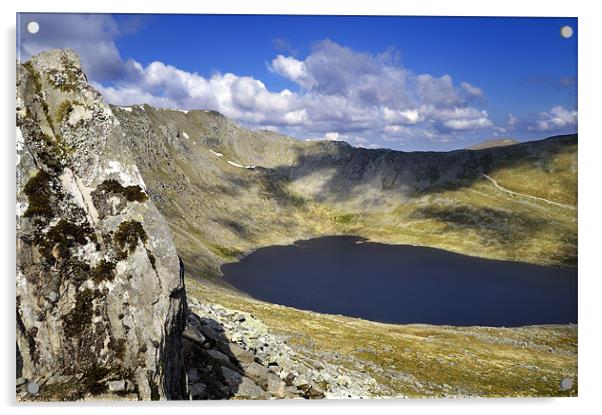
[90, 320]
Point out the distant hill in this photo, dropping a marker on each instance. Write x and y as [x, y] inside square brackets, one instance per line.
[226, 190]
[494, 142]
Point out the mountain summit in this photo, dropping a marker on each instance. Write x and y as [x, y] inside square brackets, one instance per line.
[494, 142]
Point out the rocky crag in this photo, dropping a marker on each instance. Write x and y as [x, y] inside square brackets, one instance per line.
[100, 298]
[101, 304]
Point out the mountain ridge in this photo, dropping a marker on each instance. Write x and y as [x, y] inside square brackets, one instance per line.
[295, 189]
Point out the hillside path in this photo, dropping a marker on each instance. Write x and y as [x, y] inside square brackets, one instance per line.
[503, 189]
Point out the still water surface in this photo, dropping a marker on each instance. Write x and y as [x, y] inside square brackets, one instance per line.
[406, 284]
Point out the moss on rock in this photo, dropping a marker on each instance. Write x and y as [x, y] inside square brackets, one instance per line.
[104, 271]
[128, 234]
[130, 193]
[64, 109]
[80, 317]
[38, 190]
[62, 236]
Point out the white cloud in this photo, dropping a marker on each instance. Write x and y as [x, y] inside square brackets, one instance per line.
[360, 96]
[467, 124]
[405, 117]
[340, 90]
[332, 136]
[463, 118]
[291, 68]
[437, 91]
[499, 131]
[472, 90]
[558, 118]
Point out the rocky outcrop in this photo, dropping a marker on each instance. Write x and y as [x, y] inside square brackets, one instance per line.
[100, 298]
[231, 354]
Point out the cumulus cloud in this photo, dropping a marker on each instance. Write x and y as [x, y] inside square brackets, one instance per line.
[291, 68]
[339, 90]
[557, 119]
[467, 124]
[437, 91]
[361, 97]
[471, 90]
[509, 126]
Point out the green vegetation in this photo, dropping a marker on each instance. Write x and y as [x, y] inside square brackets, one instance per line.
[66, 79]
[64, 109]
[35, 76]
[130, 193]
[128, 234]
[37, 84]
[53, 150]
[118, 346]
[79, 318]
[62, 236]
[225, 252]
[104, 271]
[554, 179]
[38, 190]
[152, 259]
[478, 219]
[345, 218]
[93, 379]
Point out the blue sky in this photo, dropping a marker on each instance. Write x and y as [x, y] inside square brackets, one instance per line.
[408, 83]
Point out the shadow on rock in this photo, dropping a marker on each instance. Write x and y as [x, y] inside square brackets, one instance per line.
[220, 369]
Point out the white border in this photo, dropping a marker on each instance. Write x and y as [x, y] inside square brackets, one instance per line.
[590, 154]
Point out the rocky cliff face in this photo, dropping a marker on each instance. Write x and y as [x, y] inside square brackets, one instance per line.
[100, 297]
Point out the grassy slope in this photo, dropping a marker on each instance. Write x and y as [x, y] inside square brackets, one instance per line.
[470, 215]
[422, 360]
[480, 220]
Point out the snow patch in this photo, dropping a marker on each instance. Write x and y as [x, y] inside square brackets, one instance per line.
[235, 164]
[185, 135]
[174, 109]
[215, 153]
[128, 109]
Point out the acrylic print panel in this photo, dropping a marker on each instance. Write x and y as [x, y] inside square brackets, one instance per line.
[290, 207]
